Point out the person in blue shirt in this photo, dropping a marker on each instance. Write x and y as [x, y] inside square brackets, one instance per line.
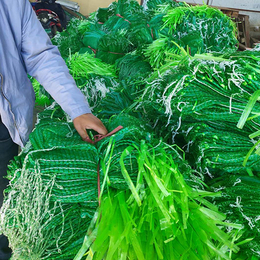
[25, 48]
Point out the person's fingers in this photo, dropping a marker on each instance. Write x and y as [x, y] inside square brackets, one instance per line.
[98, 126]
[88, 121]
[82, 132]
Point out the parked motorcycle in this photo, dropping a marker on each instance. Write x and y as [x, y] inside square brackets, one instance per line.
[51, 15]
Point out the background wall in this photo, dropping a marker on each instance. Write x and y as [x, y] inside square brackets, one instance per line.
[89, 6]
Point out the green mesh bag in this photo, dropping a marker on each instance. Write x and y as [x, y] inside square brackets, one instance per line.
[112, 47]
[132, 66]
[50, 202]
[103, 14]
[239, 201]
[116, 23]
[91, 39]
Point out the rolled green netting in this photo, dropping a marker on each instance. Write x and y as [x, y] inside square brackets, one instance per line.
[44, 215]
[201, 29]
[132, 66]
[240, 202]
[216, 31]
[112, 47]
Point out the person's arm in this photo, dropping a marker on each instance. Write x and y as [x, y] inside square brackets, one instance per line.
[43, 62]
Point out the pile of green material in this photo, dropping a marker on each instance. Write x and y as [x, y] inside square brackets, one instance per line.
[161, 218]
[202, 99]
[192, 101]
[126, 26]
[53, 192]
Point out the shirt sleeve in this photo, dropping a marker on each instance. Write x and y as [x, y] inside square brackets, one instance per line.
[44, 62]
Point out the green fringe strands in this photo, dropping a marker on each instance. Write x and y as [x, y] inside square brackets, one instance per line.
[159, 218]
[82, 65]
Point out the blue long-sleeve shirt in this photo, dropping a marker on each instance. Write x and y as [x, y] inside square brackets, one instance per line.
[26, 48]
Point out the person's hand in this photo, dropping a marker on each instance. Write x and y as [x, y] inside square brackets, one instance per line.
[88, 121]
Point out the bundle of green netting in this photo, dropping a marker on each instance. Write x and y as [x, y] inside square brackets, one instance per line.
[54, 183]
[201, 29]
[203, 99]
[65, 195]
[159, 217]
[239, 201]
[69, 40]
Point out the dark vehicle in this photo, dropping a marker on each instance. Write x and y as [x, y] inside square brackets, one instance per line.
[53, 16]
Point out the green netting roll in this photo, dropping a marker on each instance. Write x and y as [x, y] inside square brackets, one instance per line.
[54, 134]
[132, 66]
[43, 214]
[116, 23]
[91, 39]
[112, 47]
[103, 14]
